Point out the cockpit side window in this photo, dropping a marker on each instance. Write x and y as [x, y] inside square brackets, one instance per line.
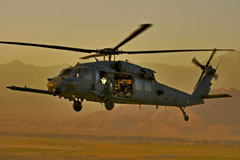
[86, 74]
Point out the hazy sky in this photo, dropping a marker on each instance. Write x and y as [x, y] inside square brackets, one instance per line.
[98, 24]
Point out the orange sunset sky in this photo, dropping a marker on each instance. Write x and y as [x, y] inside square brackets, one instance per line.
[98, 24]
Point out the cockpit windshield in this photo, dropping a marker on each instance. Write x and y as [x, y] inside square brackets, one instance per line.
[65, 72]
[76, 72]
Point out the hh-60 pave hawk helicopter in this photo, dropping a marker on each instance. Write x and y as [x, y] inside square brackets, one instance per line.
[111, 81]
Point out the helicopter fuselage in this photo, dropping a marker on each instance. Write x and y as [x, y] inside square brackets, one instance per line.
[123, 82]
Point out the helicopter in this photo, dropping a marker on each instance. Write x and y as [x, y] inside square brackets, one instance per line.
[110, 81]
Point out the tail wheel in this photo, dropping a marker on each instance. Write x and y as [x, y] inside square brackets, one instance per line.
[185, 116]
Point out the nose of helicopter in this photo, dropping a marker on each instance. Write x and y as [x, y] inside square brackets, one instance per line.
[54, 86]
[51, 86]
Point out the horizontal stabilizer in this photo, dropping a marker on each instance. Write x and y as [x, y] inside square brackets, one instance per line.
[25, 89]
[216, 96]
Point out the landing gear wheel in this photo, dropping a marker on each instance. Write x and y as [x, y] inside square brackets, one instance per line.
[109, 105]
[77, 106]
[186, 117]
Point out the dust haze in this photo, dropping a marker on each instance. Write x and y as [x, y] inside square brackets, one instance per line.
[41, 114]
[34, 126]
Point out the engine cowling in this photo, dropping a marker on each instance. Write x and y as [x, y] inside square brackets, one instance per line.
[121, 66]
[147, 74]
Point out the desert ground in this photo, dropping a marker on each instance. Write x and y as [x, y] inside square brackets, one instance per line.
[71, 148]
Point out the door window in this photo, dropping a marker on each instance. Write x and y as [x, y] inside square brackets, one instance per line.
[148, 86]
[86, 74]
[139, 84]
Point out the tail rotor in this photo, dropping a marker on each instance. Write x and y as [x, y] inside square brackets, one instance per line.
[206, 68]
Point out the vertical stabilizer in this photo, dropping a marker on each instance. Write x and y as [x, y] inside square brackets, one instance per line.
[203, 85]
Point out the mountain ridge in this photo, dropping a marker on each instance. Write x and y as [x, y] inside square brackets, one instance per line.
[215, 119]
[26, 112]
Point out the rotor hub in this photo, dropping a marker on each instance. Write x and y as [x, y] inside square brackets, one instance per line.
[108, 51]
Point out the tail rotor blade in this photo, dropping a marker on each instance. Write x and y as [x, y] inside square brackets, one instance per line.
[210, 58]
[219, 63]
[197, 63]
[215, 76]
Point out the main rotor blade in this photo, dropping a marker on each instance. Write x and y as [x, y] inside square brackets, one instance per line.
[142, 28]
[92, 55]
[171, 51]
[215, 76]
[210, 58]
[197, 63]
[50, 46]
